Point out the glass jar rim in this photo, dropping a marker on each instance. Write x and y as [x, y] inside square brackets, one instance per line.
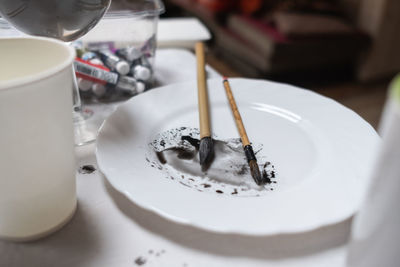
[134, 8]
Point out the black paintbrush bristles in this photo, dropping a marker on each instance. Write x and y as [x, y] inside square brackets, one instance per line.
[206, 151]
[255, 172]
[254, 169]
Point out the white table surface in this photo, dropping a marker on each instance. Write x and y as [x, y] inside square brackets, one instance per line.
[109, 230]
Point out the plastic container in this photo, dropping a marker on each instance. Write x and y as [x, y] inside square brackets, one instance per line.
[124, 41]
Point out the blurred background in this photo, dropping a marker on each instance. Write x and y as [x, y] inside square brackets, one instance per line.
[344, 49]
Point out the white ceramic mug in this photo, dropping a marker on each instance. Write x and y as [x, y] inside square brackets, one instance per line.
[37, 167]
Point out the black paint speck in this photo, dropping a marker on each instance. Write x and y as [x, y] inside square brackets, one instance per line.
[219, 191]
[184, 184]
[162, 143]
[206, 185]
[234, 192]
[86, 169]
[140, 261]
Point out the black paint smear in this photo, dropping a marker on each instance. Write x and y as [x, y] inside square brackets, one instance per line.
[140, 261]
[266, 178]
[243, 170]
[193, 141]
[160, 157]
[181, 154]
[185, 154]
[86, 169]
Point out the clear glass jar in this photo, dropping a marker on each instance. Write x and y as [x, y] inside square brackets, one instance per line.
[124, 41]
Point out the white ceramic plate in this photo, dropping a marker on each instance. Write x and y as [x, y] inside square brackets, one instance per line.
[321, 150]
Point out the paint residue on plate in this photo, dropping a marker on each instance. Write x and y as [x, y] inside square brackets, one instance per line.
[175, 152]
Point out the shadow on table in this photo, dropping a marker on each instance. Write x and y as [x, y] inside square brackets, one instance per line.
[73, 245]
[235, 245]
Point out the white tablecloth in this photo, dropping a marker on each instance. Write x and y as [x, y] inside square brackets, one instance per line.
[109, 230]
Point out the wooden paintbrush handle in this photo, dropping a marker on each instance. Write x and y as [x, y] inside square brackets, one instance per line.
[236, 114]
[204, 115]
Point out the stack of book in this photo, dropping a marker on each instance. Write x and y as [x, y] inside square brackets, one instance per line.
[257, 47]
[280, 41]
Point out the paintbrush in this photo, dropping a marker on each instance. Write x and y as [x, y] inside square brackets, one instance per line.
[248, 150]
[206, 149]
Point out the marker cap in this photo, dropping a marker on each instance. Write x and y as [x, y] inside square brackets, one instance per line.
[122, 67]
